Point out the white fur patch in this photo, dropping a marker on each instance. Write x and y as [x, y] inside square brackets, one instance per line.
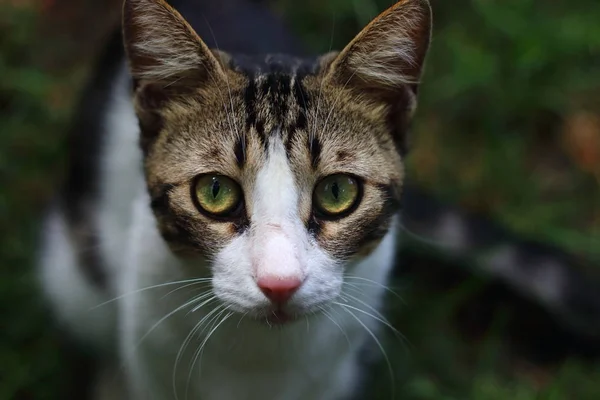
[69, 291]
[279, 242]
[121, 173]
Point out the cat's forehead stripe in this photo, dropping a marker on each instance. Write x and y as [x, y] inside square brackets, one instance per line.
[276, 100]
[240, 150]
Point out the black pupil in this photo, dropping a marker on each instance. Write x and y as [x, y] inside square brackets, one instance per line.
[335, 190]
[216, 186]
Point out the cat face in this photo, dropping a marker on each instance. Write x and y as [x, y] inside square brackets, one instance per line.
[281, 172]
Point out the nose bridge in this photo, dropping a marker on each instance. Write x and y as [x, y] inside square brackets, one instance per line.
[275, 197]
[275, 253]
[276, 240]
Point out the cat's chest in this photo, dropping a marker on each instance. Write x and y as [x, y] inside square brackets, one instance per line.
[322, 380]
[239, 366]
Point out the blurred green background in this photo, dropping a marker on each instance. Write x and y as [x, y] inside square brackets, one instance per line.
[508, 124]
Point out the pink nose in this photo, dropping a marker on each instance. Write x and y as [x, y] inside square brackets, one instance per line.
[278, 290]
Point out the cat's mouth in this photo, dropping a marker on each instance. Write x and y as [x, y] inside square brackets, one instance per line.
[279, 317]
[286, 316]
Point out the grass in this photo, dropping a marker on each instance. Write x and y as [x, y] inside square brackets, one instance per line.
[508, 125]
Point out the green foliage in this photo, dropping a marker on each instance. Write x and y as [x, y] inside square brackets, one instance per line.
[30, 144]
[501, 79]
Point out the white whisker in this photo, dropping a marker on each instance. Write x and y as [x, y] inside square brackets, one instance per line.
[381, 348]
[330, 317]
[184, 286]
[187, 304]
[148, 288]
[241, 318]
[188, 340]
[375, 283]
[196, 308]
[184, 345]
[379, 319]
[198, 353]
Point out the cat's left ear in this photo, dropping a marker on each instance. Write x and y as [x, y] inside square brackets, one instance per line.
[167, 60]
[386, 58]
[163, 50]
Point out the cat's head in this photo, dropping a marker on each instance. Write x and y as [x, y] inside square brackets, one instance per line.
[280, 172]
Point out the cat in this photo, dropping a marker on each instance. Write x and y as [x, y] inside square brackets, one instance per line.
[229, 223]
[83, 269]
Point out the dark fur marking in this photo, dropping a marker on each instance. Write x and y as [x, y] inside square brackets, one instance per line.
[289, 143]
[260, 130]
[313, 226]
[242, 225]
[343, 156]
[300, 121]
[281, 100]
[240, 151]
[315, 152]
[86, 137]
[214, 153]
[88, 254]
[249, 101]
[250, 95]
[159, 202]
[375, 228]
[277, 89]
[268, 86]
[181, 232]
[303, 101]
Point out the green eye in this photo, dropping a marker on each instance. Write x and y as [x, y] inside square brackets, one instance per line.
[218, 194]
[336, 195]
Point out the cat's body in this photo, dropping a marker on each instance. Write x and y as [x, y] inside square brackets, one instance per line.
[275, 298]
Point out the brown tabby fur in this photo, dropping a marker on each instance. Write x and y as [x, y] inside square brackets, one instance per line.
[205, 111]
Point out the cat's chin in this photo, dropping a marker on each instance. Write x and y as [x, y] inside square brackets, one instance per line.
[279, 318]
[282, 317]
[274, 315]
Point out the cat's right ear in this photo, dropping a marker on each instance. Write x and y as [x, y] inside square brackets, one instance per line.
[388, 55]
[163, 51]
